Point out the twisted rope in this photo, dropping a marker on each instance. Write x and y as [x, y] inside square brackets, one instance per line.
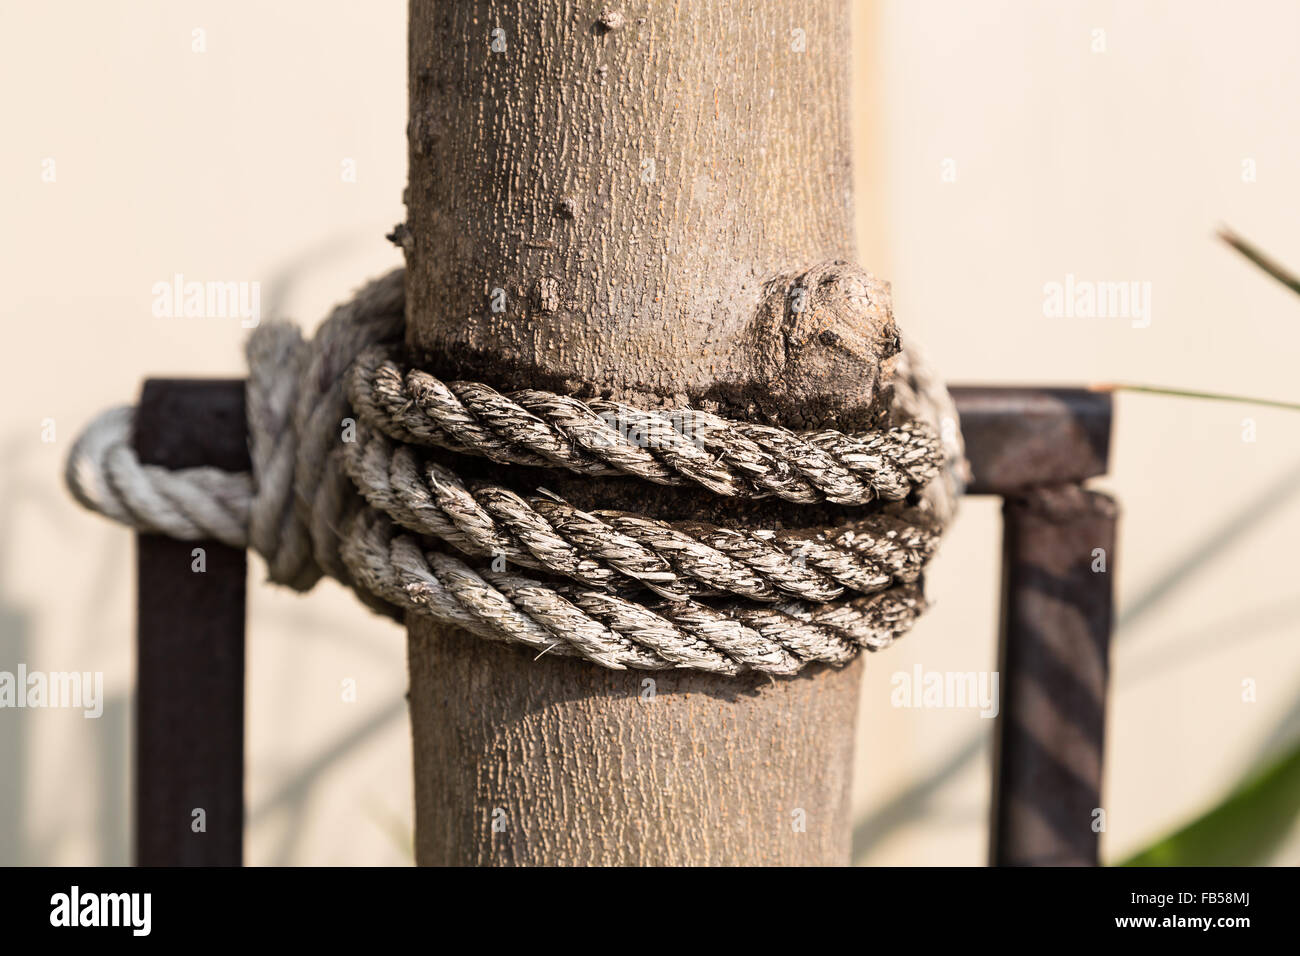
[674, 559]
[363, 502]
[105, 475]
[609, 438]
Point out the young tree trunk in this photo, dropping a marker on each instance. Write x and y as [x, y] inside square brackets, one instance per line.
[598, 194]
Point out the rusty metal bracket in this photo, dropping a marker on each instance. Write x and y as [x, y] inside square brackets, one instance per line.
[1034, 447]
[189, 722]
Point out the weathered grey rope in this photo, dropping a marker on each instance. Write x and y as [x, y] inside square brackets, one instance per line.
[674, 559]
[920, 395]
[616, 632]
[608, 438]
[304, 508]
[105, 475]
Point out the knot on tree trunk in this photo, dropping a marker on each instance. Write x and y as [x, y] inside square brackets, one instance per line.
[821, 346]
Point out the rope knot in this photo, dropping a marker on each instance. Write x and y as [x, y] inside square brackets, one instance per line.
[350, 480]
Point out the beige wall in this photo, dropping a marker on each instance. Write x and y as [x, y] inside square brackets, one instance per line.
[1112, 166]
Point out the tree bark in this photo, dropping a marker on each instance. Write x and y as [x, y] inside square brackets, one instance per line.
[602, 199]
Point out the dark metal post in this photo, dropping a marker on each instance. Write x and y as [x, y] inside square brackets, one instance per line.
[1032, 446]
[1019, 437]
[1057, 566]
[189, 778]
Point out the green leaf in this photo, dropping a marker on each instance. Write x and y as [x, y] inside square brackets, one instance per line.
[1245, 829]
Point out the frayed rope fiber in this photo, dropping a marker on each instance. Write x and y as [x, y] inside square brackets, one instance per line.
[367, 504]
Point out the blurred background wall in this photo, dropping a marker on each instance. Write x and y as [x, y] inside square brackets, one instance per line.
[1000, 146]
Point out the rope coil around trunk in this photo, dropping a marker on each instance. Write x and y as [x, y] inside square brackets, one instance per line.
[344, 484]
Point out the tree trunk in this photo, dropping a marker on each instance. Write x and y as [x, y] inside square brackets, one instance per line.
[598, 197]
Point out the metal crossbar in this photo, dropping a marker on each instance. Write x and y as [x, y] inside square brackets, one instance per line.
[1033, 447]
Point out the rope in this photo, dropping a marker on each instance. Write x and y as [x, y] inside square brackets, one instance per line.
[344, 484]
[610, 438]
[674, 559]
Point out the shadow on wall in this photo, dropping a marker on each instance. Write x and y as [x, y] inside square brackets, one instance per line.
[914, 802]
[105, 778]
[15, 849]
